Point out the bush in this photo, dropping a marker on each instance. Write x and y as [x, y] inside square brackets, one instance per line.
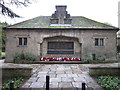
[87, 59]
[94, 59]
[94, 56]
[25, 56]
[109, 82]
[29, 56]
[17, 83]
[101, 58]
[118, 54]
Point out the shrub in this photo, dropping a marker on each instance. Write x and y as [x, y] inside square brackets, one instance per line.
[94, 59]
[118, 54]
[29, 56]
[101, 58]
[25, 56]
[87, 59]
[17, 56]
[109, 82]
[94, 56]
[17, 83]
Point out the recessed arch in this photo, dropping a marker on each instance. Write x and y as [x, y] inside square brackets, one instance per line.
[65, 50]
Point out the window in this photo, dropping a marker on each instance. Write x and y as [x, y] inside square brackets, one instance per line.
[60, 48]
[22, 41]
[99, 41]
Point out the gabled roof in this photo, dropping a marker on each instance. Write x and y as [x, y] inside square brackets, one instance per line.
[77, 22]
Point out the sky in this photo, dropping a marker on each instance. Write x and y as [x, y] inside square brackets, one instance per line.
[105, 11]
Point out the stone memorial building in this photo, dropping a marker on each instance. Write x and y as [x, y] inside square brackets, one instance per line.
[61, 35]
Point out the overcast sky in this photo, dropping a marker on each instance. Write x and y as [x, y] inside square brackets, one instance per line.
[99, 10]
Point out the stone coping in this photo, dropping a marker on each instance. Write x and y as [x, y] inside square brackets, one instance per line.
[104, 70]
[12, 68]
[50, 62]
[104, 67]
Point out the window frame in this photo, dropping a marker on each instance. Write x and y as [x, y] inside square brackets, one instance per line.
[62, 50]
[23, 42]
[99, 42]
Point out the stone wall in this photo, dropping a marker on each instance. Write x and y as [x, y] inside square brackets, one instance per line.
[96, 71]
[83, 39]
[16, 72]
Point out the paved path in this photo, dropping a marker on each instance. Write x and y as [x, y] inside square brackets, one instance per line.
[61, 76]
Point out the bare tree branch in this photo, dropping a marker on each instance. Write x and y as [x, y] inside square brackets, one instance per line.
[7, 11]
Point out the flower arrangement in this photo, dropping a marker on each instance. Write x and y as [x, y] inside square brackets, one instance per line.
[59, 59]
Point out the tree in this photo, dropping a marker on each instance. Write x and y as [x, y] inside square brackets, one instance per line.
[7, 11]
[2, 36]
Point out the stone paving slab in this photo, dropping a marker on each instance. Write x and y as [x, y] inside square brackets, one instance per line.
[77, 84]
[77, 79]
[41, 79]
[65, 84]
[62, 76]
[55, 80]
[37, 85]
[67, 79]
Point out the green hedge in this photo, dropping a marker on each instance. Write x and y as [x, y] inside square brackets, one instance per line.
[24, 56]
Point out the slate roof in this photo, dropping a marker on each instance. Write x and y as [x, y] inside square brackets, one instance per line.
[77, 22]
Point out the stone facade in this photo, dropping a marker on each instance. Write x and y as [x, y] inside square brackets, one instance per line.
[83, 42]
[88, 36]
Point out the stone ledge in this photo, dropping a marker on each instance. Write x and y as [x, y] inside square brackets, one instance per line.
[96, 71]
[50, 62]
[10, 72]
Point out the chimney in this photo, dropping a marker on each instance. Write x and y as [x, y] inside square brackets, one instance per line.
[60, 16]
[61, 8]
[61, 13]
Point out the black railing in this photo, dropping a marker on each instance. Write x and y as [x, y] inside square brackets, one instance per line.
[83, 86]
[47, 84]
[12, 85]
